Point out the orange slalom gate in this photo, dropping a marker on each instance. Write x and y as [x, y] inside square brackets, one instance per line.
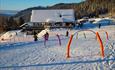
[98, 38]
[101, 44]
[107, 35]
[68, 46]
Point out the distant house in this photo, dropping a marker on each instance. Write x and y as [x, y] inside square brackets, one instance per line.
[52, 18]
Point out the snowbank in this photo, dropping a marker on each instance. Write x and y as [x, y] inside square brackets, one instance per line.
[103, 21]
[8, 35]
[41, 34]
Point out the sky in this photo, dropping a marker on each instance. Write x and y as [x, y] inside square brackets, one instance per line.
[23, 4]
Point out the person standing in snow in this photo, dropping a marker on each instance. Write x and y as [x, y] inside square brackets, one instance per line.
[67, 33]
[99, 25]
[35, 36]
[46, 36]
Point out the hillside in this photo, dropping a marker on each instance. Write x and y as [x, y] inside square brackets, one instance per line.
[89, 8]
[8, 12]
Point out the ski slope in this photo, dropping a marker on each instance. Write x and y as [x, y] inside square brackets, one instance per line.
[22, 53]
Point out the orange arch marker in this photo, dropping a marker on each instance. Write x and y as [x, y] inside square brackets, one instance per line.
[84, 33]
[68, 46]
[107, 35]
[101, 44]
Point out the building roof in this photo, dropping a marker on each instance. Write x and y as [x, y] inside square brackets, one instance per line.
[59, 15]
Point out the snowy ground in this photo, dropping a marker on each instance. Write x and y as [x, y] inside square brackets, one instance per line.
[21, 53]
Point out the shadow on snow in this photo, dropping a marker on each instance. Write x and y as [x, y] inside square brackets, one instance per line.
[61, 63]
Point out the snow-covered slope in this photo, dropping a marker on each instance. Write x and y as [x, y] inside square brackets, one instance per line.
[85, 52]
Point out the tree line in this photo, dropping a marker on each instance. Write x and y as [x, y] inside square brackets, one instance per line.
[10, 23]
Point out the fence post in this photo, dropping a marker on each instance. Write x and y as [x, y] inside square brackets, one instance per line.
[68, 46]
[101, 44]
[84, 35]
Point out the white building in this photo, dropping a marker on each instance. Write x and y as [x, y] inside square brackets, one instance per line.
[53, 16]
[59, 15]
[50, 18]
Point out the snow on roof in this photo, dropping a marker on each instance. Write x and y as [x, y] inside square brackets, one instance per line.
[60, 15]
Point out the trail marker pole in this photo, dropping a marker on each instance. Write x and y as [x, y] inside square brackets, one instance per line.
[59, 39]
[84, 35]
[107, 35]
